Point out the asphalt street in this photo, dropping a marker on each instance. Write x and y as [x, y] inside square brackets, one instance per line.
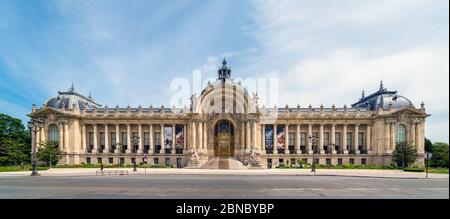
[220, 186]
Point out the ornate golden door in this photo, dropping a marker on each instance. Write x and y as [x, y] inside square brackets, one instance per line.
[223, 143]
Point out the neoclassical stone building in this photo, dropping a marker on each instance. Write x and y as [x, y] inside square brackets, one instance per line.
[226, 128]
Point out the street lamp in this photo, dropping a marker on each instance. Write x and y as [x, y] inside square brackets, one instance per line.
[313, 139]
[135, 139]
[35, 125]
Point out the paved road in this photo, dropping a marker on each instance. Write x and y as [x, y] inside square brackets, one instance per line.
[220, 186]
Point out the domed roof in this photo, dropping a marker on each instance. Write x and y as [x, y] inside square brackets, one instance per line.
[69, 99]
[383, 98]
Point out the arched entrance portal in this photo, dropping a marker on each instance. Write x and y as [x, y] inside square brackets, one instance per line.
[224, 139]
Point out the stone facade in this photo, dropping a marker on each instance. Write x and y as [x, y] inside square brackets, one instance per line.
[227, 121]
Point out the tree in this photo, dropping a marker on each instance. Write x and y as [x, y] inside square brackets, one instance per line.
[15, 141]
[440, 155]
[13, 153]
[49, 150]
[405, 154]
[428, 145]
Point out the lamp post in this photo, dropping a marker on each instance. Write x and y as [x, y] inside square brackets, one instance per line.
[313, 139]
[35, 125]
[135, 139]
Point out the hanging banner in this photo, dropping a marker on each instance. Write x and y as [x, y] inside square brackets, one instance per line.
[269, 136]
[179, 136]
[168, 137]
[281, 136]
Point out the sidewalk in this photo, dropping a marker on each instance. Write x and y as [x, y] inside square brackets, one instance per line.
[263, 172]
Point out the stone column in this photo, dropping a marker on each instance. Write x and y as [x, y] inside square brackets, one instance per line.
[413, 134]
[355, 137]
[308, 142]
[263, 139]
[141, 140]
[333, 138]
[184, 138]
[297, 140]
[151, 137]
[286, 138]
[61, 135]
[107, 145]
[344, 139]
[369, 139]
[205, 136]
[275, 140]
[161, 134]
[243, 137]
[173, 139]
[254, 136]
[129, 146]
[417, 135]
[200, 136]
[66, 137]
[322, 151]
[66, 141]
[83, 136]
[95, 149]
[387, 137]
[194, 136]
[247, 137]
[118, 137]
[392, 135]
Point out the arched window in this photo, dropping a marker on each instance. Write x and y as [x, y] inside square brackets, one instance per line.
[401, 134]
[53, 133]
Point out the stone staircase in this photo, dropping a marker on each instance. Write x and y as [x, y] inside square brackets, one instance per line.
[223, 163]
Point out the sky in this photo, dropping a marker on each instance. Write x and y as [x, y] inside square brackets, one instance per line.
[322, 51]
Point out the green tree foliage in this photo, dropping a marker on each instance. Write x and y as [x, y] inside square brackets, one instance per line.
[428, 145]
[405, 154]
[49, 150]
[440, 155]
[15, 141]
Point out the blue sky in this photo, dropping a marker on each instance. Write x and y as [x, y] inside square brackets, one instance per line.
[323, 52]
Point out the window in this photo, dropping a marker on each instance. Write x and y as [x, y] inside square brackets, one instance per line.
[122, 161]
[293, 162]
[291, 139]
[158, 138]
[305, 160]
[53, 133]
[281, 161]
[88, 160]
[124, 139]
[337, 137]
[111, 160]
[113, 139]
[360, 139]
[339, 161]
[102, 140]
[156, 161]
[326, 138]
[99, 160]
[146, 138]
[133, 160]
[352, 161]
[167, 161]
[328, 161]
[363, 161]
[401, 134]
[349, 140]
[303, 139]
[91, 140]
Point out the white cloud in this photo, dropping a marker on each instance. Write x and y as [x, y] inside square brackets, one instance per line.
[325, 52]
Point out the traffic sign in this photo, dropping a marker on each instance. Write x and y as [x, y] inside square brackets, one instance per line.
[427, 155]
